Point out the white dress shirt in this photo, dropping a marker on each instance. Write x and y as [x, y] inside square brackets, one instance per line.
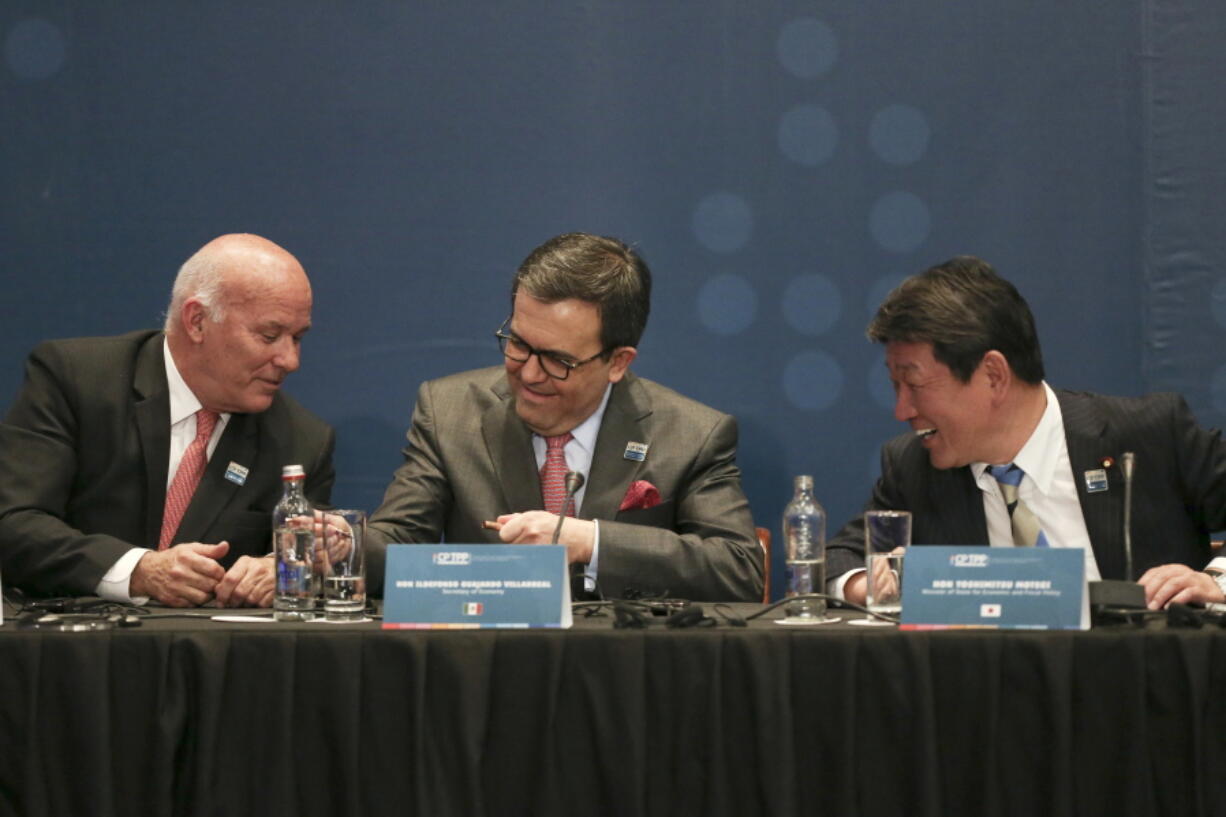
[183, 408]
[1048, 488]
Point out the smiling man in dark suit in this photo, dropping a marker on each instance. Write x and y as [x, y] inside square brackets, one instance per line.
[996, 456]
[147, 465]
[661, 509]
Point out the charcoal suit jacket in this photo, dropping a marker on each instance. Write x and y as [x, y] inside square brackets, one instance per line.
[469, 458]
[84, 454]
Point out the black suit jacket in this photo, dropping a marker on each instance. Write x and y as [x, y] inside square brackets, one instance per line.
[84, 454]
[470, 458]
[1179, 486]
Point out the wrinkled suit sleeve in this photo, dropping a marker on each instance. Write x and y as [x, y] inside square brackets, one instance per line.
[39, 439]
[710, 554]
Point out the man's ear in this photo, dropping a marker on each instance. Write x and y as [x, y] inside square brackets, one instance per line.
[192, 316]
[623, 356]
[998, 372]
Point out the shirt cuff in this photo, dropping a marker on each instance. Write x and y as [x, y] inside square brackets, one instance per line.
[589, 572]
[115, 584]
[834, 587]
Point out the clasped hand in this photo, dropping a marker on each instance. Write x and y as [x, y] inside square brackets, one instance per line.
[189, 575]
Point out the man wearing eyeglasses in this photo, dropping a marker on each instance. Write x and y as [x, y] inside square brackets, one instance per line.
[660, 511]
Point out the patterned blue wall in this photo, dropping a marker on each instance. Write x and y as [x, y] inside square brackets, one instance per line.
[780, 164]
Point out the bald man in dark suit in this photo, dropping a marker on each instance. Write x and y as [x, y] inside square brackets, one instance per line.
[90, 448]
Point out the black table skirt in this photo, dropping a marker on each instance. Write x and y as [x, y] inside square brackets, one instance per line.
[200, 718]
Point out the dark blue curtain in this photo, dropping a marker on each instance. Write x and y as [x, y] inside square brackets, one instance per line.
[780, 164]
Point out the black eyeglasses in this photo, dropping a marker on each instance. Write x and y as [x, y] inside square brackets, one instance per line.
[556, 367]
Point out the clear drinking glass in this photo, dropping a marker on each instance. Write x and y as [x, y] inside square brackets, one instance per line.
[887, 534]
[344, 564]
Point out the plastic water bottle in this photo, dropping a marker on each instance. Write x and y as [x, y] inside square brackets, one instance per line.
[804, 536]
[293, 543]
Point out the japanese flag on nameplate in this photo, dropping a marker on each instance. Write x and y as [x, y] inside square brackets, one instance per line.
[1030, 588]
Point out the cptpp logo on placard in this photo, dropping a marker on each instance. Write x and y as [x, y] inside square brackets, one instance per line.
[968, 560]
[453, 558]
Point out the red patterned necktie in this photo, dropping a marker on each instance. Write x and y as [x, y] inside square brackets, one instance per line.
[191, 468]
[553, 473]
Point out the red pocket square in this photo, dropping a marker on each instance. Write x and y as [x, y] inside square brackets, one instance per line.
[639, 496]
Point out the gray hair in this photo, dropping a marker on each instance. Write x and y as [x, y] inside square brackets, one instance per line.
[200, 277]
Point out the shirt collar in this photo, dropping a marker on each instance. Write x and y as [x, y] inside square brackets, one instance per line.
[585, 433]
[1041, 453]
[183, 401]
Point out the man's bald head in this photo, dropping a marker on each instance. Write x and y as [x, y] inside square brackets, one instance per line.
[230, 267]
[239, 310]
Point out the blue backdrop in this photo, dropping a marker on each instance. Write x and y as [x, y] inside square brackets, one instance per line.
[780, 164]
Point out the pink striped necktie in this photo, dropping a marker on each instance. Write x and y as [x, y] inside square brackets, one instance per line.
[553, 473]
[191, 469]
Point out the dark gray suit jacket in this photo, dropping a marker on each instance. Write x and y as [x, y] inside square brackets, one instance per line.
[1179, 487]
[84, 453]
[469, 458]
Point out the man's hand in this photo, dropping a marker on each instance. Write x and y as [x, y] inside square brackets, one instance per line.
[251, 582]
[855, 589]
[182, 576]
[1178, 584]
[885, 581]
[333, 541]
[536, 528]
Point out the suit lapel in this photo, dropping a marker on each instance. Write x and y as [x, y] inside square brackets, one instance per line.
[958, 502]
[152, 416]
[1085, 434]
[239, 443]
[509, 445]
[625, 420]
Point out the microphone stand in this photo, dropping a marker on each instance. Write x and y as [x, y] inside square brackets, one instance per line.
[574, 481]
[1115, 593]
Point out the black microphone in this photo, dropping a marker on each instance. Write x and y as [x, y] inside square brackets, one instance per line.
[574, 481]
[1113, 593]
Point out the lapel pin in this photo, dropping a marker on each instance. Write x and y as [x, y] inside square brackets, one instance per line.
[1096, 480]
[1108, 462]
[636, 451]
[236, 473]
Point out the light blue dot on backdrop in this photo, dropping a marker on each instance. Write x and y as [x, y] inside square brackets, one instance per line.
[899, 134]
[899, 222]
[723, 222]
[727, 304]
[880, 290]
[808, 135]
[1217, 302]
[1217, 389]
[879, 385]
[34, 49]
[812, 381]
[807, 47]
[812, 304]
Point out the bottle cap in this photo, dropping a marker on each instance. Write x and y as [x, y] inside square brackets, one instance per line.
[804, 482]
[292, 472]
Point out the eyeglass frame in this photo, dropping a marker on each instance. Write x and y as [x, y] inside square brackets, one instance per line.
[504, 338]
